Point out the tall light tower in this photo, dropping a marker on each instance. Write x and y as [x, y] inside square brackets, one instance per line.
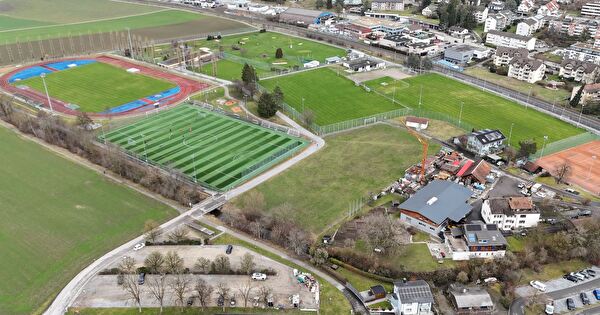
[543, 146]
[43, 76]
[594, 157]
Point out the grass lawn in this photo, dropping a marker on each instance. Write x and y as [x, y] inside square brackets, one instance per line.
[98, 86]
[10, 23]
[409, 13]
[421, 237]
[56, 218]
[440, 129]
[150, 19]
[416, 257]
[360, 282]
[553, 271]
[351, 165]
[332, 300]
[481, 109]
[177, 310]
[536, 90]
[333, 98]
[228, 70]
[516, 243]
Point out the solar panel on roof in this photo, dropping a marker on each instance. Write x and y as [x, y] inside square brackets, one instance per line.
[491, 227]
[471, 237]
[473, 227]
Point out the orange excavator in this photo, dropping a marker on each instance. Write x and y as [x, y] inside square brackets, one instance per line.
[425, 145]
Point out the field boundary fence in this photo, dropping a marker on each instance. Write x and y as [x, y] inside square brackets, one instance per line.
[564, 144]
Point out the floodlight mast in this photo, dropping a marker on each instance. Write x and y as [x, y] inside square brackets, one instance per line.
[43, 76]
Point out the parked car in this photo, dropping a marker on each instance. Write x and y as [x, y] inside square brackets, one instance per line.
[139, 246]
[583, 274]
[578, 276]
[584, 298]
[232, 301]
[597, 294]
[141, 278]
[591, 272]
[190, 301]
[572, 191]
[570, 304]
[538, 285]
[572, 278]
[259, 276]
[521, 185]
[229, 249]
[549, 308]
[120, 279]
[541, 194]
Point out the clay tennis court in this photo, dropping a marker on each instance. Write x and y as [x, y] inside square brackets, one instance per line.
[584, 161]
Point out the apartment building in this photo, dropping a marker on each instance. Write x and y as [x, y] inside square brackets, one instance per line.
[583, 52]
[591, 9]
[579, 71]
[496, 22]
[510, 213]
[575, 26]
[505, 54]
[526, 69]
[511, 40]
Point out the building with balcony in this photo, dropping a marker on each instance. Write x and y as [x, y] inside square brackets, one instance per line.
[579, 71]
[526, 69]
[511, 40]
[511, 213]
[504, 55]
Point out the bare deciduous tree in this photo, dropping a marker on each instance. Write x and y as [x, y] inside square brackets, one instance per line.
[245, 290]
[563, 171]
[157, 286]
[173, 262]
[247, 264]
[152, 231]
[154, 262]
[380, 231]
[179, 234]
[179, 284]
[298, 240]
[222, 291]
[202, 265]
[204, 291]
[265, 293]
[130, 281]
[222, 264]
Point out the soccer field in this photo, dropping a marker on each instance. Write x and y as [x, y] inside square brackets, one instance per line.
[332, 98]
[97, 86]
[56, 218]
[481, 109]
[215, 150]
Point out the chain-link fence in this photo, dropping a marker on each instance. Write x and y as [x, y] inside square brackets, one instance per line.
[564, 144]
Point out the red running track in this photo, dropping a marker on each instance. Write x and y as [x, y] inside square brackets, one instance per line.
[187, 87]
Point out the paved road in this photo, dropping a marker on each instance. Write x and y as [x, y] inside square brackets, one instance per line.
[518, 305]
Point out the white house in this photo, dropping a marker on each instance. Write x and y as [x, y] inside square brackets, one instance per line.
[526, 69]
[412, 298]
[481, 13]
[549, 9]
[527, 27]
[429, 10]
[511, 40]
[486, 141]
[504, 55]
[579, 71]
[363, 64]
[583, 52]
[591, 92]
[526, 6]
[476, 240]
[495, 22]
[387, 5]
[510, 213]
[312, 64]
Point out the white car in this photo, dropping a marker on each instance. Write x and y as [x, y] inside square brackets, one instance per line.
[549, 308]
[538, 285]
[139, 246]
[259, 276]
[541, 194]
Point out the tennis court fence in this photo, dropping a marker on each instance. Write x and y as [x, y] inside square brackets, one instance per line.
[564, 144]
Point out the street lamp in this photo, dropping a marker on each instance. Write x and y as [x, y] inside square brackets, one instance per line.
[580, 114]
[43, 76]
[543, 146]
[591, 166]
[528, 96]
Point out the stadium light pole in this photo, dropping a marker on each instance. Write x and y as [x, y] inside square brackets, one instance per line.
[420, 96]
[580, 114]
[591, 166]
[460, 114]
[510, 133]
[43, 76]
[543, 146]
[528, 96]
[130, 43]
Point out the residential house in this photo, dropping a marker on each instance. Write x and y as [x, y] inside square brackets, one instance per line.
[333, 60]
[526, 69]
[470, 300]
[505, 54]
[552, 8]
[412, 298]
[486, 141]
[476, 172]
[496, 22]
[526, 6]
[510, 213]
[481, 13]
[498, 38]
[387, 5]
[591, 9]
[527, 27]
[363, 64]
[459, 54]
[429, 10]
[579, 71]
[583, 52]
[591, 93]
[496, 5]
[476, 240]
[432, 207]
[458, 31]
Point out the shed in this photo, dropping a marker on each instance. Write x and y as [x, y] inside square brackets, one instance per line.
[417, 122]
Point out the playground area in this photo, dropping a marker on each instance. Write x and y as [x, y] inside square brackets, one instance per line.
[584, 164]
[100, 86]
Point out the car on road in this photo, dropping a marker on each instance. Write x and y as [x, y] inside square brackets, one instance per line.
[541, 194]
[139, 246]
[584, 298]
[521, 185]
[597, 294]
[229, 249]
[538, 285]
[141, 278]
[570, 304]
[572, 191]
[259, 276]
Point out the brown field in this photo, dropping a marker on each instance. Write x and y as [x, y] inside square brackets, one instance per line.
[584, 161]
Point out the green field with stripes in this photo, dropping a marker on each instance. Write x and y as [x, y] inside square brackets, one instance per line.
[214, 150]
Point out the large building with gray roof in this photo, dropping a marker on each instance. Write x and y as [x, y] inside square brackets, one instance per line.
[432, 207]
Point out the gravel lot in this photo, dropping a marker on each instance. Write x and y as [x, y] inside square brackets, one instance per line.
[103, 291]
[395, 73]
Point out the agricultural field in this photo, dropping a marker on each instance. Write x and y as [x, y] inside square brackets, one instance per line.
[214, 150]
[258, 50]
[481, 109]
[331, 96]
[56, 218]
[351, 165]
[97, 86]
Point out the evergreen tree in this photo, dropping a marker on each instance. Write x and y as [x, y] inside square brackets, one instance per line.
[279, 53]
[577, 98]
[249, 75]
[424, 4]
[329, 4]
[278, 96]
[319, 4]
[266, 105]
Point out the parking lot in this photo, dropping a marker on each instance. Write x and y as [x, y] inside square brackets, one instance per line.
[560, 305]
[557, 284]
[103, 290]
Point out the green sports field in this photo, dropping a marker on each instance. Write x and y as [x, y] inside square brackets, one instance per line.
[215, 150]
[481, 109]
[56, 218]
[97, 86]
[333, 98]
[258, 50]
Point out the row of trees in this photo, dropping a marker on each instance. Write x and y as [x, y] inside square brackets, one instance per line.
[417, 62]
[78, 140]
[456, 13]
